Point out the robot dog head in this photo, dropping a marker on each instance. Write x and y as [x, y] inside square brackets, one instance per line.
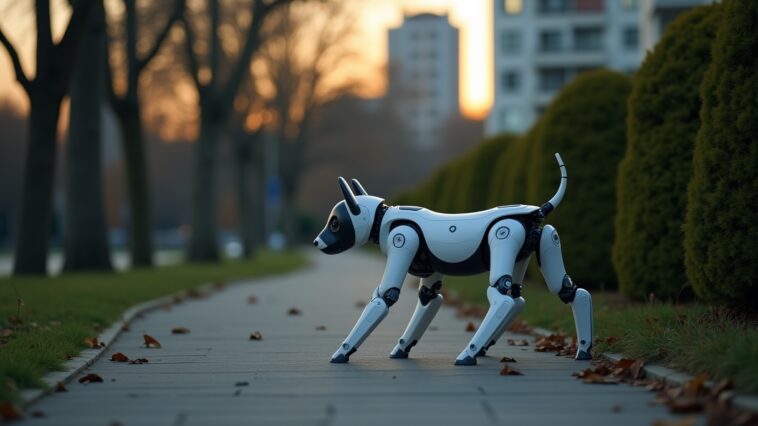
[349, 223]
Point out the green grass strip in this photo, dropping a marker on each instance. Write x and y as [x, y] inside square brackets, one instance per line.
[58, 313]
[693, 338]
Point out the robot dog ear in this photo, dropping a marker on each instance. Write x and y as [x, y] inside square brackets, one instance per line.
[352, 202]
[358, 187]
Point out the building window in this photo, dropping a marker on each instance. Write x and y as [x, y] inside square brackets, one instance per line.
[588, 5]
[551, 79]
[551, 41]
[588, 39]
[552, 6]
[513, 7]
[511, 81]
[631, 38]
[511, 42]
[630, 4]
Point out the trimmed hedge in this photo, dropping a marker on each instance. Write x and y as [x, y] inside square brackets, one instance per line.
[508, 184]
[662, 123]
[586, 125]
[721, 238]
[478, 169]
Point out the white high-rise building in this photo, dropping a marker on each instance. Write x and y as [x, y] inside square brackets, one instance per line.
[540, 45]
[423, 75]
[655, 15]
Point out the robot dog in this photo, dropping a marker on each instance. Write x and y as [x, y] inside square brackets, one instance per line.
[430, 245]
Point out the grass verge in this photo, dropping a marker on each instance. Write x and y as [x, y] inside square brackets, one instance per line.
[58, 313]
[694, 338]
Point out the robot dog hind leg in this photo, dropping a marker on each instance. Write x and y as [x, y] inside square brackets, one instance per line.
[505, 239]
[560, 284]
[429, 302]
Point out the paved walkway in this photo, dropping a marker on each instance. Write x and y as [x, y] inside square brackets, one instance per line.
[217, 376]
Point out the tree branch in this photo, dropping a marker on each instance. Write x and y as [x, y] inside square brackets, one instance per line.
[80, 11]
[189, 42]
[175, 16]
[20, 75]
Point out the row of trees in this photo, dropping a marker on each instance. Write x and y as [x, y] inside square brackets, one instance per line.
[662, 194]
[255, 66]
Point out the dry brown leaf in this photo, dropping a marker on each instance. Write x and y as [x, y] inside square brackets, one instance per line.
[119, 357]
[637, 369]
[518, 342]
[151, 342]
[520, 327]
[508, 371]
[721, 386]
[194, 293]
[37, 414]
[252, 300]
[91, 378]
[598, 379]
[256, 335]
[125, 327]
[320, 328]
[6, 332]
[180, 330]
[470, 327]
[60, 387]
[624, 363]
[551, 343]
[685, 404]
[10, 411]
[689, 421]
[92, 343]
[507, 359]
[138, 361]
[294, 311]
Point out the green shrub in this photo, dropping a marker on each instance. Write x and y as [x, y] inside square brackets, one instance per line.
[479, 167]
[586, 125]
[662, 123]
[508, 184]
[721, 241]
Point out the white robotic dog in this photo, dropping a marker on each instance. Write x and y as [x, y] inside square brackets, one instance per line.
[430, 245]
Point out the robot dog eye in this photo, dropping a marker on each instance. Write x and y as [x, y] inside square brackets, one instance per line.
[334, 225]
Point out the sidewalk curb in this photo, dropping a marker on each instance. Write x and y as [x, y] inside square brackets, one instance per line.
[747, 402]
[87, 357]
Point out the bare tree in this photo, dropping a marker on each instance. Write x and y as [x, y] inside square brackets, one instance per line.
[126, 106]
[307, 45]
[86, 236]
[54, 62]
[216, 97]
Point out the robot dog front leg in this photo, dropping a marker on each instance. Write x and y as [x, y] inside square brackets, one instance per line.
[429, 302]
[560, 284]
[505, 239]
[402, 245]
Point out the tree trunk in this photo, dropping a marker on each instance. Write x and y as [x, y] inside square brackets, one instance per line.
[202, 245]
[32, 237]
[132, 138]
[249, 183]
[86, 236]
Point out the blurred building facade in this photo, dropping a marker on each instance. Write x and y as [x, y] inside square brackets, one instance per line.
[540, 45]
[423, 75]
[655, 15]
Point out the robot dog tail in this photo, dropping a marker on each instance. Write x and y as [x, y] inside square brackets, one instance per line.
[548, 207]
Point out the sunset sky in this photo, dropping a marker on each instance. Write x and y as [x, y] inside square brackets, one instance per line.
[472, 17]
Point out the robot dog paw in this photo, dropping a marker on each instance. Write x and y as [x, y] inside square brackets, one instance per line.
[340, 359]
[482, 352]
[399, 354]
[466, 361]
[583, 356]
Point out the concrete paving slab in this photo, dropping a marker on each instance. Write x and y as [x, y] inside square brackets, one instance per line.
[215, 375]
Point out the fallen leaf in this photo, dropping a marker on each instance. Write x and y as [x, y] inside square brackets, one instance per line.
[470, 327]
[320, 328]
[720, 387]
[508, 371]
[637, 369]
[119, 357]
[256, 335]
[597, 379]
[507, 359]
[689, 421]
[685, 405]
[138, 361]
[150, 342]
[624, 363]
[518, 342]
[194, 293]
[293, 311]
[241, 384]
[180, 330]
[38, 414]
[520, 327]
[10, 411]
[60, 387]
[551, 343]
[6, 332]
[219, 285]
[92, 343]
[15, 320]
[252, 300]
[617, 408]
[91, 378]
[125, 327]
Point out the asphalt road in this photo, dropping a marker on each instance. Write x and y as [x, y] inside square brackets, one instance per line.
[215, 375]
